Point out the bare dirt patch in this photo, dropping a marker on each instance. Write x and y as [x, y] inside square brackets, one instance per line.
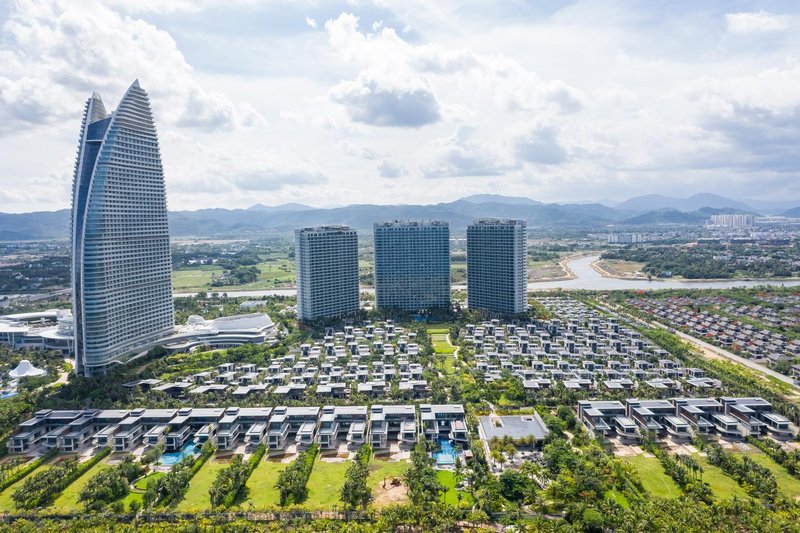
[393, 492]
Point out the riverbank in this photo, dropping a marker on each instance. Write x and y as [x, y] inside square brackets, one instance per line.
[601, 267]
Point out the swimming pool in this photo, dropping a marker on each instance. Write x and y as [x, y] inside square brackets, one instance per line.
[446, 454]
[7, 394]
[171, 458]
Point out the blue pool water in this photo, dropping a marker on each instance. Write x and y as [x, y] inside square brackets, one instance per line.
[7, 394]
[171, 458]
[446, 454]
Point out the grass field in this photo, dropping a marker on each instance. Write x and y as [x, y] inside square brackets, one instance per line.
[275, 273]
[67, 501]
[438, 333]
[6, 503]
[654, 480]
[196, 498]
[448, 480]
[380, 469]
[789, 485]
[325, 484]
[722, 485]
[261, 485]
[194, 277]
[141, 483]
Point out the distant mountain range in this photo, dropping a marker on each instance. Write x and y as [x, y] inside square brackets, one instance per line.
[260, 219]
[654, 202]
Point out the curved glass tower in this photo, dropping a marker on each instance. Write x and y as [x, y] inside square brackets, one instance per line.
[121, 265]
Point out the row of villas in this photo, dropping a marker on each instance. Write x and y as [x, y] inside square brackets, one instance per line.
[761, 345]
[581, 349]
[366, 360]
[730, 418]
[382, 426]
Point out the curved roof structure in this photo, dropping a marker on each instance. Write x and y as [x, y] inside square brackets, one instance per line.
[26, 370]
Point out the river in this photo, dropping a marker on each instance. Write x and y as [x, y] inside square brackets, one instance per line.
[586, 279]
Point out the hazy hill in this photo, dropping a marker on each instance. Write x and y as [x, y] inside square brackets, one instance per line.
[259, 219]
[653, 202]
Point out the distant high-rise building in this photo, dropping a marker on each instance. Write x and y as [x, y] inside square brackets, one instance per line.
[412, 265]
[121, 264]
[497, 266]
[624, 238]
[327, 271]
[732, 221]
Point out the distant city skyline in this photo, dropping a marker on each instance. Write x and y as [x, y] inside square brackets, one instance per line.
[385, 102]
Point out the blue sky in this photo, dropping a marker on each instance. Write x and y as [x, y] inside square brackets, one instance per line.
[383, 101]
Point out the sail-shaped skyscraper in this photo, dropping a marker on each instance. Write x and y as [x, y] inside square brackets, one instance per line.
[121, 265]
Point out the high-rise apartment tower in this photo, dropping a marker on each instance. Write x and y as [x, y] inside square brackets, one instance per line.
[121, 265]
[497, 266]
[327, 272]
[412, 265]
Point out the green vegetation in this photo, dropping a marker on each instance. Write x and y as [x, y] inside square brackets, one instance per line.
[787, 484]
[356, 492]
[261, 485]
[108, 484]
[293, 480]
[710, 262]
[325, 484]
[230, 482]
[196, 496]
[755, 478]
[171, 487]
[721, 485]
[653, 478]
[14, 471]
[421, 479]
[42, 488]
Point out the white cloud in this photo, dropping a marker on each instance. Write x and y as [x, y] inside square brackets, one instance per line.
[390, 169]
[56, 53]
[758, 22]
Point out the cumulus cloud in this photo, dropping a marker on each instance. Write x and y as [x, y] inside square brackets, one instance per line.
[539, 144]
[370, 103]
[460, 156]
[758, 22]
[398, 81]
[390, 169]
[56, 53]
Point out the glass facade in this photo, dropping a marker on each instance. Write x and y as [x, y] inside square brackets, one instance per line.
[412, 265]
[326, 258]
[497, 266]
[121, 264]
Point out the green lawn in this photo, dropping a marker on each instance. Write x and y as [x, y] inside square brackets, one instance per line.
[380, 469]
[6, 503]
[261, 485]
[325, 484]
[448, 480]
[438, 333]
[196, 498]
[789, 485]
[654, 480]
[722, 485]
[67, 501]
[618, 497]
[141, 483]
[196, 277]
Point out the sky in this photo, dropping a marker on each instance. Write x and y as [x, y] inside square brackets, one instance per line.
[412, 101]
